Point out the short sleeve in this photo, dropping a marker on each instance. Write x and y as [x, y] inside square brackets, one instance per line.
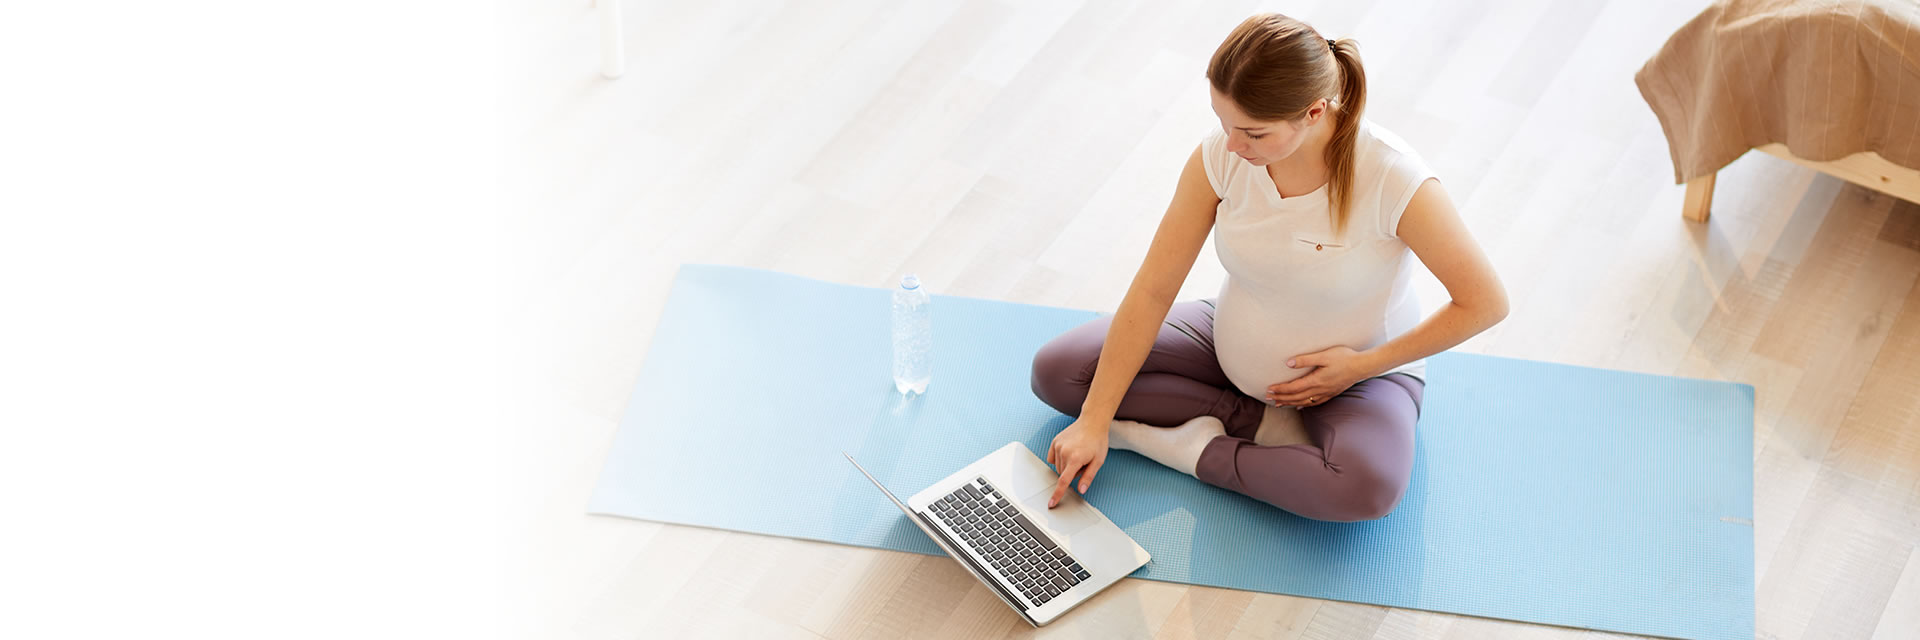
[1213, 152]
[1403, 173]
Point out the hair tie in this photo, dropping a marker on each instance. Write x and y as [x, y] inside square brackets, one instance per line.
[1331, 45]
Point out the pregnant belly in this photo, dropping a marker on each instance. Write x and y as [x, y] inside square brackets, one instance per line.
[1253, 347]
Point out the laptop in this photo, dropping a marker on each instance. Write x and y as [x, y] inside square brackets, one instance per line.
[992, 516]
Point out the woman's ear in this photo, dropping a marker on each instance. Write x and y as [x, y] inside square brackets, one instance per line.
[1318, 111]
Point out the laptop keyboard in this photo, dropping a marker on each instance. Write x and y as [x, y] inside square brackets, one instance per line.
[1025, 557]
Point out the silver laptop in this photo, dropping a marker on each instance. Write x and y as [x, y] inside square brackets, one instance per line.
[992, 516]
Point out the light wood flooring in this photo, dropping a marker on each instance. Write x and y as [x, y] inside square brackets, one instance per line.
[1024, 151]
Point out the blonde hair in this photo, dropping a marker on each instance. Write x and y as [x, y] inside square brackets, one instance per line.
[1275, 68]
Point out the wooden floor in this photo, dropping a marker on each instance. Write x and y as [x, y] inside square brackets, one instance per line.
[1024, 151]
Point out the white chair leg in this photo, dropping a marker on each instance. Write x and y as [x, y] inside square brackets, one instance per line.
[613, 52]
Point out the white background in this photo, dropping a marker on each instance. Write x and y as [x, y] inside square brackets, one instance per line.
[248, 331]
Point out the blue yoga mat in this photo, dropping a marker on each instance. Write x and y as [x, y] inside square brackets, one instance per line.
[1543, 493]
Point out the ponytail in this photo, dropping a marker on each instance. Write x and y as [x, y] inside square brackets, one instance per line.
[1276, 68]
[1346, 129]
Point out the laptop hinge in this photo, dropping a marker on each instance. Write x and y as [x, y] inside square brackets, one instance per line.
[986, 575]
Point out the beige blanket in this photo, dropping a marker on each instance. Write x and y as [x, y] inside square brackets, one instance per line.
[1828, 79]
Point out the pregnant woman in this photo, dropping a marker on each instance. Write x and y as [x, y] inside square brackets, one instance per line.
[1316, 215]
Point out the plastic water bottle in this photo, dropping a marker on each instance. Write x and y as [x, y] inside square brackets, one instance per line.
[912, 337]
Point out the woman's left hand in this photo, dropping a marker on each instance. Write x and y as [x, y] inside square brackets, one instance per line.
[1334, 370]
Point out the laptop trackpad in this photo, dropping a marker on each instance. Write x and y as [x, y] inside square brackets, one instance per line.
[1072, 515]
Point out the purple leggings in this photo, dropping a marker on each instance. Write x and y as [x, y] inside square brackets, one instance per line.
[1362, 453]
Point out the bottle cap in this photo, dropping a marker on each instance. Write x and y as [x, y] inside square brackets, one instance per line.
[910, 282]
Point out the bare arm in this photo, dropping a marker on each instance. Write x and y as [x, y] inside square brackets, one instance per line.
[1436, 234]
[1433, 230]
[1081, 448]
[1183, 231]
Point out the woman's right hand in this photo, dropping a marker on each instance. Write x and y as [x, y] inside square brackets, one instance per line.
[1080, 448]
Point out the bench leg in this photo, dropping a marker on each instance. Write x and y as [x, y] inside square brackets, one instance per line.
[1699, 202]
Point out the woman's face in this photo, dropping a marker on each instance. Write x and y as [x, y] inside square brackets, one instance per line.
[1261, 142]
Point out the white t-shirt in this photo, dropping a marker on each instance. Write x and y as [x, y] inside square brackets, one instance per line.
[1292, 286]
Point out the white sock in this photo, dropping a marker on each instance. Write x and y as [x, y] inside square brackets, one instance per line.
[1177, 447]
[1281, 426]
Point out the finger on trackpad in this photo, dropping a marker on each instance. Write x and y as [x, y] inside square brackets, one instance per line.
[1072, 515]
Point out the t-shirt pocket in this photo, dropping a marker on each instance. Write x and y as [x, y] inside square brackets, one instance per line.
[1310, 248]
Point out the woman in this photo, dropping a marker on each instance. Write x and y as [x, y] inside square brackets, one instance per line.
[1314, 213]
